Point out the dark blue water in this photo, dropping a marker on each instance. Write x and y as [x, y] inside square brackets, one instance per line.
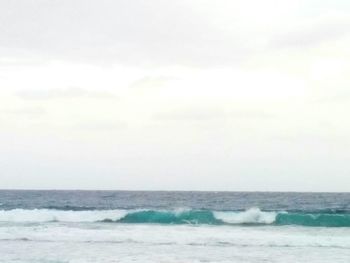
[304, 209]
[218, 201]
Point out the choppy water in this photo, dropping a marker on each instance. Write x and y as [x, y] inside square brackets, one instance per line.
[122, 226]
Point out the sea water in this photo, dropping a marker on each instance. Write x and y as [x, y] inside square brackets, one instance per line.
[126, 226]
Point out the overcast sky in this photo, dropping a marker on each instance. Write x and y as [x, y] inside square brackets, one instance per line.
[175, 95]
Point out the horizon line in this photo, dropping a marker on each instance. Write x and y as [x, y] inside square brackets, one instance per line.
[175, 190]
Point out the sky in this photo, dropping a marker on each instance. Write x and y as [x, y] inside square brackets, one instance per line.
[223, 95]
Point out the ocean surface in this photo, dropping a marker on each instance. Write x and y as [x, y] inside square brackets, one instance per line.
[173, 227]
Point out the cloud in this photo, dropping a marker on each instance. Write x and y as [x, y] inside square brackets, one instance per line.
[336, 99]
[210, 115]
[64, 93]
[136, 32]
[311, 34]
[158, 32]
[102, 126]
[151, 82]
[154, 32]
[26, 112]
[189, 115]
[251, 114]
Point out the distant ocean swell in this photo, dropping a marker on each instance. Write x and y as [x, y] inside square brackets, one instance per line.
[252, 217]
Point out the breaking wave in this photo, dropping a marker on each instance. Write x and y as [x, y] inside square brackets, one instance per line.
[253, 216]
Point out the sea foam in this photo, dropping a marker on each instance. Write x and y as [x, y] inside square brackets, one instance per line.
[252, 216]
[53, 215]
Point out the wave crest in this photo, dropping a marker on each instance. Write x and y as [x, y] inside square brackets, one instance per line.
[250, 216]
[253, 216]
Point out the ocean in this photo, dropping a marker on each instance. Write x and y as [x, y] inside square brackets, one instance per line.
[173, 227]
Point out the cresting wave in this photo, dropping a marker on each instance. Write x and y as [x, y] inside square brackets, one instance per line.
[253, 216]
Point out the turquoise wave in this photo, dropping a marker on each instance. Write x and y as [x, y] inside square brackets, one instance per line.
[168, 217]
[323, 220]
[252, 217]
[249, 217]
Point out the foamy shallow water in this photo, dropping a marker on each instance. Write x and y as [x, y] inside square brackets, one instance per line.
[92, 242]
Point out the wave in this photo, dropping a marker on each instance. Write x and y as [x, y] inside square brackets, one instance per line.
[53, 215]
[70, 208]
[250, 216]
[253, 216]
[325, 220]
[172, 217]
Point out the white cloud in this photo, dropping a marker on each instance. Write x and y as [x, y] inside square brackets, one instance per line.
[65, 93]
[201, 114]
[201, 33]
[248, 95]
[311, 33]
[25, 112]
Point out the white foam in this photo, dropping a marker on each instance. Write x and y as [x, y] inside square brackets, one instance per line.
[250, 216]
[148, 234]
[47, 215]
[66, 242]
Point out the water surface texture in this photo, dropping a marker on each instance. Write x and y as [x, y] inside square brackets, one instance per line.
[134, 226]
